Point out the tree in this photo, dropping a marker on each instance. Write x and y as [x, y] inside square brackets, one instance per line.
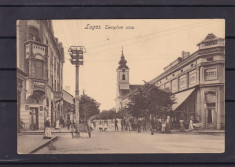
[88, 107]
[150, 100]
[107, 114]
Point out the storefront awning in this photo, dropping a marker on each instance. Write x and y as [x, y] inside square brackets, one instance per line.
[181, 97]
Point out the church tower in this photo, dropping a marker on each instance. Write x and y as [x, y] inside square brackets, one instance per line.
[122, 82]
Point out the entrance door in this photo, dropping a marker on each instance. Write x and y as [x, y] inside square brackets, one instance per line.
[210, 121]
[209, 116]
[33, 118]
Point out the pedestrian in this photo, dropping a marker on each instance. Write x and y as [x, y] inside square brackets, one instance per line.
[68, 123]
[135, 124]
[116, 124]
[100, 127]
[152, 126]
[191, 124]
[163, 126]
[61, 123]
[127, 124]
[122, 124]
[47, 129]
[105, 125]
[144, 124]
[57, 125]
[139, 125]
[168, 124]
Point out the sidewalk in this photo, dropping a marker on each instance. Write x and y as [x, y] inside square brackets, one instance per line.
[27, 144]
[40, 132]
[197, 132]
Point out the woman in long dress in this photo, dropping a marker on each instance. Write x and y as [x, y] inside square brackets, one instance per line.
[191, 124]
[47, 129]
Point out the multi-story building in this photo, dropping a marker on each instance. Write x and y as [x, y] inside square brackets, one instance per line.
[40, 59]
[198, 83]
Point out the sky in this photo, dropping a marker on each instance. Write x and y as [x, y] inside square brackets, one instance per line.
[148, 46]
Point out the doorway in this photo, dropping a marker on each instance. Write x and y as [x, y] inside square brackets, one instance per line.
[34, 118]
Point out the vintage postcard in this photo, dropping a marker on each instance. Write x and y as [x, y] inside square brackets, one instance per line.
[120, 86]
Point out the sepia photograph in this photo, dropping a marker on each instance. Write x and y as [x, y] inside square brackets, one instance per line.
[120, 86]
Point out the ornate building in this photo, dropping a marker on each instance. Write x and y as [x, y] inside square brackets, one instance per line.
[198, 83]
[123, 85]
[40, 59]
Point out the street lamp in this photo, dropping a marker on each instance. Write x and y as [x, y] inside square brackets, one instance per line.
[76, 54]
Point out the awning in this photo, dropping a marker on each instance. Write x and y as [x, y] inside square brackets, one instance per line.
[181, 97]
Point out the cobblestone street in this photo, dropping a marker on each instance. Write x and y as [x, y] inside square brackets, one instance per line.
[133, 142]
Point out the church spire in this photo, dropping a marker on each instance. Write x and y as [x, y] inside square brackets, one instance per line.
[122, 62]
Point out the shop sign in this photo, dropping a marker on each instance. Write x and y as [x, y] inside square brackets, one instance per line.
[211, 74]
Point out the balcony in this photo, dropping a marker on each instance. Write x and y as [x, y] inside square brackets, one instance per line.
[35, 50]
[58, 95]
[39, 85]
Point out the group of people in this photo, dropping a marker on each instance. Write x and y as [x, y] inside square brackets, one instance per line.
[103, 126]
[161, 125]
[131, 124]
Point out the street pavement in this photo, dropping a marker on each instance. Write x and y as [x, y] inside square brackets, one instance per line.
[133, 142]
[27, 143]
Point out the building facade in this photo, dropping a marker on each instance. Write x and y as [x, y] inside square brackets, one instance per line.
[68, 106]
[198, 83]
[40, 59]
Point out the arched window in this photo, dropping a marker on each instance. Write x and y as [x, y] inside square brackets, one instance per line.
[123, 77]
[33, 34]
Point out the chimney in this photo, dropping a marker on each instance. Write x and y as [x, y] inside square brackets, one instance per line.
[185, 54]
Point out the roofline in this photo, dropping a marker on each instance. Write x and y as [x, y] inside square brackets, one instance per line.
[192, 57]
[68, 93]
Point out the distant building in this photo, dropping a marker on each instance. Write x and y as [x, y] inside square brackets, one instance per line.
[198, 83]
[40, 59]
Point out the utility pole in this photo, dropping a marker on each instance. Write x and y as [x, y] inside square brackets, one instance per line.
[76, 54]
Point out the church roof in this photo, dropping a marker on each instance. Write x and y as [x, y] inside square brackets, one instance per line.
[134, 87]
[122, 62]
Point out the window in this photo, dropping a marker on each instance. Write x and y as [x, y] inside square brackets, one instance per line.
[192, 65]
[38, 69]
[173, 74]
[182, 70]
[209, 59]
[210, 96]
[123, 77]
[33, 34]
